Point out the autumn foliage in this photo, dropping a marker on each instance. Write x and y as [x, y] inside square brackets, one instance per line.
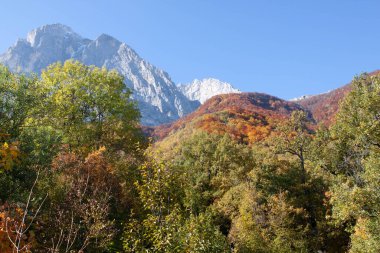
[10, 220]
[244, 173]
[324, 107]
[246, 117]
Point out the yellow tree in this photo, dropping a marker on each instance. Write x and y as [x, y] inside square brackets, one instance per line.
[89, 106]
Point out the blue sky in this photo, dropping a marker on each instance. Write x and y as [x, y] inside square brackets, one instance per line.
[284, 48]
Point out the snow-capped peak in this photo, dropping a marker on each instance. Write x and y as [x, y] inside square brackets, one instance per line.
[201, 90]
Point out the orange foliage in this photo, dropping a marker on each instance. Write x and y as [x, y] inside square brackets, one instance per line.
[8, 222]
[5, 244]
[246, 117]
[95, 165]
[325, 106]
[241, 125]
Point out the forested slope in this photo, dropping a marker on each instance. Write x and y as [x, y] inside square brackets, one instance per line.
[325, 106]
[245, 173]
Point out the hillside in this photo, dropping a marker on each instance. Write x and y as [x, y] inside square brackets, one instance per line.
[325, 106]
[247, 117]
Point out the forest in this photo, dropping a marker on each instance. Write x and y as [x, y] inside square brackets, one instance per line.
[79, 174]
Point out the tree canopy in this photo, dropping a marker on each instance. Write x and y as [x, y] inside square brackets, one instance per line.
[78, 175]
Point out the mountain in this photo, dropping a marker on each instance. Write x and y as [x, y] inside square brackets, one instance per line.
[247, 117]
[158, 98]
[325, 106]
[201, 90]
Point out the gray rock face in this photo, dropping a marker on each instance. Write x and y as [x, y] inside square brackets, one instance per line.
[201, 90]
[159, 99]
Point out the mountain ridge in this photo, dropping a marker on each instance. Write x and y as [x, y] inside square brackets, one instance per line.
[225, 113]
[160, 100]
[325, 106]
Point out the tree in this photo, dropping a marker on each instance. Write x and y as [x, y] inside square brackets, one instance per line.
[17, 98]
[200, 234]
[156, 227]
[90, 107]
[211, 164]
[70, 112]
[280, 205]
[352, 156]
[79, 206]
[16, 222]
[295, 138]
[163, 224]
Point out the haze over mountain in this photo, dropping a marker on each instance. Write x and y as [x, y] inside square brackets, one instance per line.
[159, 99]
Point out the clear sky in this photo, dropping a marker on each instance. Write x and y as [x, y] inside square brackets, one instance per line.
[286, 48]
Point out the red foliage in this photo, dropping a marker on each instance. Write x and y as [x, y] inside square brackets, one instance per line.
[250, 117]
[325, 106]
[247, 117]
[10, 218]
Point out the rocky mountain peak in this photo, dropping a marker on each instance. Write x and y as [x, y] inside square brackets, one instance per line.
[54, 31]
[159, 99]
[201, 90]
[107, 40]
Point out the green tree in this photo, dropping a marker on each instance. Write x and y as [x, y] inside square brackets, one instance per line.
[90, 107]
[17, 98]
[352, 156]
[295, 138]
[211, 164]
[280, 205]
[155, 228]
[200, 234]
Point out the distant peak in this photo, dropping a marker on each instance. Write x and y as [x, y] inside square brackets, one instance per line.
[105, 37]
[108, 39]
[206, 88]
[105, 40]
[51, 29]
[210, 79]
